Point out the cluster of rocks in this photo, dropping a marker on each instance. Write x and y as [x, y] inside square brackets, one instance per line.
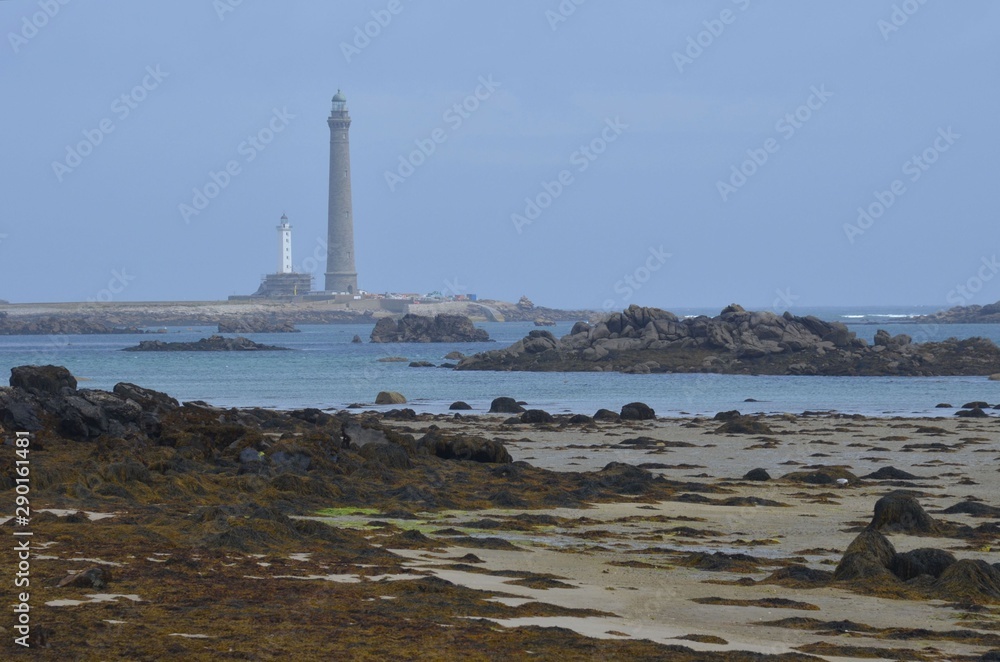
[871, 558]
[47, 397]
[650, 340]
[423, 329]
[214, 343]
[60, 325]
[49, 393]
[257, 324]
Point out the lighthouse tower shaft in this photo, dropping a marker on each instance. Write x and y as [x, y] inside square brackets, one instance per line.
[341, 274]
[285, 246]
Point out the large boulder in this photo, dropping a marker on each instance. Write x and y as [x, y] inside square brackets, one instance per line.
[390, 398]
[537, 416]
[867, 557]
[970, 580]
[923, 561]
[43, 380]
[504, 405]
[901, 512]
[637, 411]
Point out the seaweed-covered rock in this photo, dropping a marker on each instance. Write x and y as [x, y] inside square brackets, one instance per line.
[465, 447]
[901, 512]
[923, 561]
[970, 580]
[867, 557]
[974, 508]
[822, 476]
[459, 405]
[891, 473]
[744, 425]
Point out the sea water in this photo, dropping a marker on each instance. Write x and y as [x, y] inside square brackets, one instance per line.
[327, 371]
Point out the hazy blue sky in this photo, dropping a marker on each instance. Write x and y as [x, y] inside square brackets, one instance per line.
[675, 95]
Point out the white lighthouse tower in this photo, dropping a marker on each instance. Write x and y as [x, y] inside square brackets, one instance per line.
[285, 235]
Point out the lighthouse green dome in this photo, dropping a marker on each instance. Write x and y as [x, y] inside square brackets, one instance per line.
[339, 97]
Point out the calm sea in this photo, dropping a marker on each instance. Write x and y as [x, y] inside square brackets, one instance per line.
[327, 371]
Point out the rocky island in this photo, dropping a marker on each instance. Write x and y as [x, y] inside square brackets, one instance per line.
[988, 314]
[421, 329]
[737, 341]
[210, 344]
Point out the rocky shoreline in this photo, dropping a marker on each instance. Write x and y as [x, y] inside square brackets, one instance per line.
[988, 314]
[650, 340]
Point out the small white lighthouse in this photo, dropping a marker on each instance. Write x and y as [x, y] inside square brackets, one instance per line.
[285, 234]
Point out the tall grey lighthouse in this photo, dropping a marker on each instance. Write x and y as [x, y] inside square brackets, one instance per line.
[341, 274]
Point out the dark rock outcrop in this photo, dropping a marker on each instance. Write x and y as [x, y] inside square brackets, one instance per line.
[737, 341]
[459, 405]
[757, 474]
[505, 405]
[420, 328]
[42, 380]
[465, 447]
[41, 395]
[210, 344]
[637, 411]
[537, 416]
